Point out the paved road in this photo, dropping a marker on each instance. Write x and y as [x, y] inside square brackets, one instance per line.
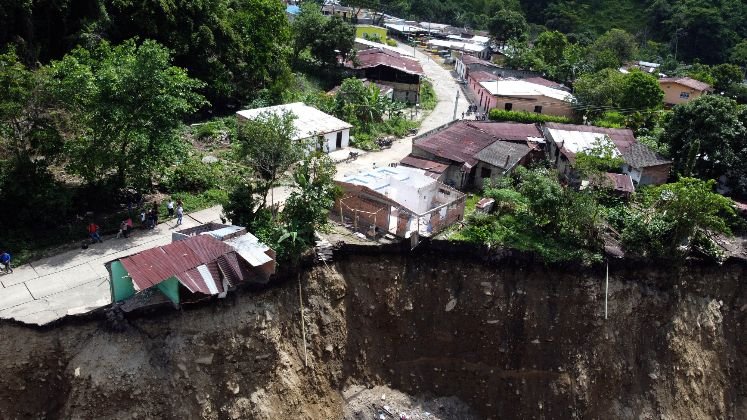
[76, 281]
[446, 91]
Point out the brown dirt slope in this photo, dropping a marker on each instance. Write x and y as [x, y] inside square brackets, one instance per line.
[509, 338]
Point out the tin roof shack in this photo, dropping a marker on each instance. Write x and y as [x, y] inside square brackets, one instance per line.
[387, 67]
[460, 145]
[323, 131]
[643, 165]
[399, 200]
[193, 268]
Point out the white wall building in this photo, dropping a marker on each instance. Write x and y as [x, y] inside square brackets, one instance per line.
[311, 124]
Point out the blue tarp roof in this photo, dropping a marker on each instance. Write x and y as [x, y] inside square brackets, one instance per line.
[293, 9]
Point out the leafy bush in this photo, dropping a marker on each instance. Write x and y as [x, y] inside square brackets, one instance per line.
[193, 176]
[219, 129]
[535, 213]
[428, 99]
[672, 220]
[526, 117]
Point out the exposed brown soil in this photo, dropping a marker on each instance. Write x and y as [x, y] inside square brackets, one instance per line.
[506, 339]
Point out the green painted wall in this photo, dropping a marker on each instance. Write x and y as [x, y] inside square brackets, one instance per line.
[170, 288]
[121, 283]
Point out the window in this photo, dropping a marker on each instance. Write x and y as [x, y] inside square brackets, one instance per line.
[538, 109]
[684, 95]
[485, 172]
[509, 106]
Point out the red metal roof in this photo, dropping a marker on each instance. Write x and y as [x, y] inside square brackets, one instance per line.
[152, 266]
[463, 140]
[379, 57]
[425, 164]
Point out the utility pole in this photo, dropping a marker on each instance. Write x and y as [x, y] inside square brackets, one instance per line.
[456, 104]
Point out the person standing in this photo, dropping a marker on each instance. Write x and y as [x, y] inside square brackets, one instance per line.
[170, 207]
[155, 214]
[179, 212]
[93, 232]
[5, 258]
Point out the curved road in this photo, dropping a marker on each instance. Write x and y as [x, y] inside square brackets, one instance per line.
[446, 90]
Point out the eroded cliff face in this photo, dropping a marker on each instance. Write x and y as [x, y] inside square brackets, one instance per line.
[510, 338]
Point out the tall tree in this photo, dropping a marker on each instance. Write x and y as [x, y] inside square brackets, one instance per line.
[268, 145]
[131, 101]
[33, 121]
[641, 92]
[619, 42]
[549, 47]
[717, 126]
[507, 24]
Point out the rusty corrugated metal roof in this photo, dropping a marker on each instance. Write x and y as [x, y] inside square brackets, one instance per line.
[462, 141]
[425, 164]
[152, 266]
[379, 57]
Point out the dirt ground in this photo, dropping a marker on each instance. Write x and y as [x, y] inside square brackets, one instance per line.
[439, 333]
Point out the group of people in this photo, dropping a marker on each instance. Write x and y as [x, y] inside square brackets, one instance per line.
[148, 220]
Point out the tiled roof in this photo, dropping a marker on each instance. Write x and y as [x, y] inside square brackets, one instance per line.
[638, 155]
[373, 57]
[687, 81]
[503, 154]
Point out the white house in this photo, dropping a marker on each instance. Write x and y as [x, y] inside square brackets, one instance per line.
[310, 124]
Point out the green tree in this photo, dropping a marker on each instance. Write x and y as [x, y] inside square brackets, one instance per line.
[619, 42]
[596, 92]
[549, 47]
[719, 126]
[306, 26]
[738, 54]
[336, 38]
[672, 220]
[130, 101]
[725, 76]
[507, 24]
[307, 208]
[602, 157]
[32, 122]
[268, 144]
[641, 91]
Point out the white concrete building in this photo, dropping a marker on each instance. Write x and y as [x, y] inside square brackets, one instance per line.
[323, 131]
